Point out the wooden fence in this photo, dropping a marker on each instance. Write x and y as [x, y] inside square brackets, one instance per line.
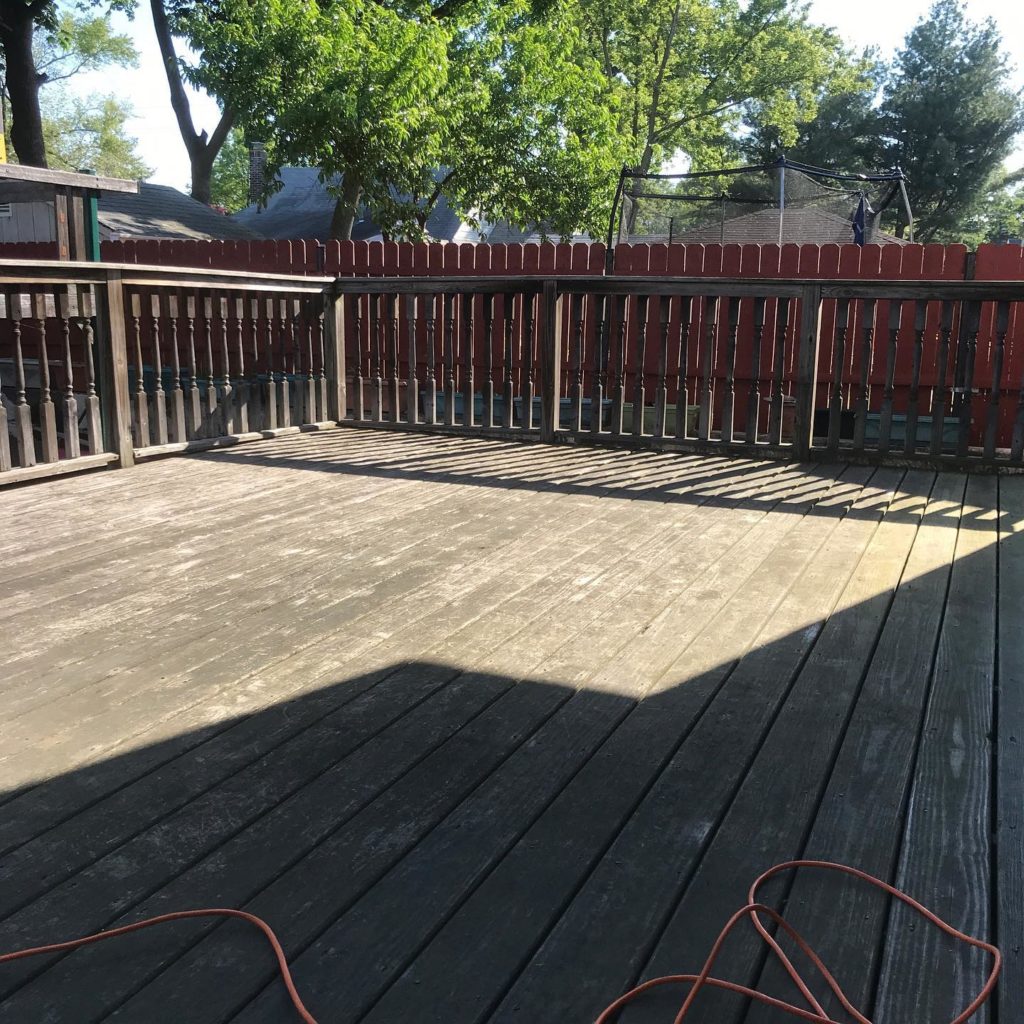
[104, 364]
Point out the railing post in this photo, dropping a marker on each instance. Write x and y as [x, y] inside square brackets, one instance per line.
[807, 370]
[112, 348]
[334, 355]
[551, 360]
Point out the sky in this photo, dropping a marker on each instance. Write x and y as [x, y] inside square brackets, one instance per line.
[881, 23]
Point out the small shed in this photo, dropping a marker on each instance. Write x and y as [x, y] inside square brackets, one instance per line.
[38, 204]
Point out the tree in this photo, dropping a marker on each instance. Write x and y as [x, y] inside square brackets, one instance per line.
[169, 18]
[948, 117]
[229, 178]
[396, 105]
[20, 20]
[685, 69]
[90, 133]
[941, 111]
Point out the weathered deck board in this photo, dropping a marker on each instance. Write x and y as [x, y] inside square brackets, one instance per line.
[488, 731]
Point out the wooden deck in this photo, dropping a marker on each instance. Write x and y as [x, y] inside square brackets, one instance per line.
[490, 731]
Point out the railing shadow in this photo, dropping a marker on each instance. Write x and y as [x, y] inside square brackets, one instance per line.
[666, 478]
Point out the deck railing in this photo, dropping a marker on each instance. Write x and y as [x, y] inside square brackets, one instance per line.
[104, 364]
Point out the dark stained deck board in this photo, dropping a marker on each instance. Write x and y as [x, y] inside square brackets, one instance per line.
[1009, 736]
[946, 849]
[470, 780]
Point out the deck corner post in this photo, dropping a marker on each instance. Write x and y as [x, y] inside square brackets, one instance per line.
[551, 360]
[807, 370]
[334, 354]
[112, 352]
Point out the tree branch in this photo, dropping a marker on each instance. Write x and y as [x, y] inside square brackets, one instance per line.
[179, 98]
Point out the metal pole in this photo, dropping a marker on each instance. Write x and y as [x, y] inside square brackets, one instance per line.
[906, 207]
[782, 194]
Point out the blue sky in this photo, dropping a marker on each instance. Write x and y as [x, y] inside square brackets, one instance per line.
[881, 23]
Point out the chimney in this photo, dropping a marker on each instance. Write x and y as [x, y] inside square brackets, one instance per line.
[257, 168]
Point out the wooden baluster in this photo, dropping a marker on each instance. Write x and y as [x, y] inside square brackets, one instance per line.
[914, 395]
[529, 299]
[310, 388]
[995, 393]
[971, 326]
[358, 379]
[885, 420]
[6, 462]
[643, 303]
[49, 444]
[93, 418]
[488, 392]
[775, 418]
[602, 310]
[255, 392]
[430, 359]
[67, 308]
[508, 392]
[729, 398]
[394, 377]
[321, 376]
[661, 392]
[284, 407]
[24, 435]
[941, 393]
[686, 307]
[708, 367]
[619, 385]
[754, 395]
[867, 348]
[177, 410]
[193, 406]
[211, 378]
[241, 405]
[449, 359]
[266, 307]
[377, 357]
[835, 405]
[578, 333]
[141, 399]
[299, 412]
[228, 389]
[468, 382]
[412, 386]
[159, 396]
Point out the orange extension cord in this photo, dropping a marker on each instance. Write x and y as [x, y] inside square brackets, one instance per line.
[697, 981]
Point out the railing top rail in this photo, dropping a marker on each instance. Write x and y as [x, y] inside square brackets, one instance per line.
[21, 272]
[726, 286]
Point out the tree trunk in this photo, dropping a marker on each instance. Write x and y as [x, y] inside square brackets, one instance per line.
[345, 208]
[23, 86]
[202, 171]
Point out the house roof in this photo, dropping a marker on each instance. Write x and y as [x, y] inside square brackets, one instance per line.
[159, 211]
[303, 207]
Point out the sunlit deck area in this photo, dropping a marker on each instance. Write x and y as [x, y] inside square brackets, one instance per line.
[491, 731]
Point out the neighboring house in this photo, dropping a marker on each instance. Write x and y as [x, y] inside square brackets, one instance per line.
[303, 208]
[159, 211]
[155, 211]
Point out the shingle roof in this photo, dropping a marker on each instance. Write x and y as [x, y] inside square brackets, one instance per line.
[159, 211]
[303, 208]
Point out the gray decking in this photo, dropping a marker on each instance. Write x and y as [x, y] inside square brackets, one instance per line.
[488, 732]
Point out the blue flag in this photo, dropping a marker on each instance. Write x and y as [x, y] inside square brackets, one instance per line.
[860, 222]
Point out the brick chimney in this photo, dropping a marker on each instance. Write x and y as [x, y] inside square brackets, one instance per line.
[257, 169]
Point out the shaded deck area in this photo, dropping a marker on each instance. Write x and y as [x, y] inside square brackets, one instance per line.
[491, 731]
